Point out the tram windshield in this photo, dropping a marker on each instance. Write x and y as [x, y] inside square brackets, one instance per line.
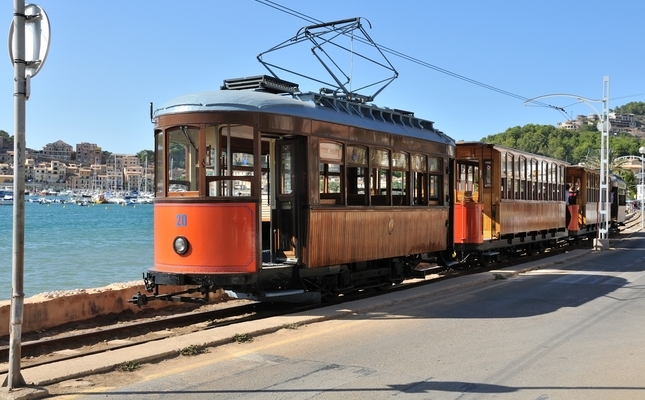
[182, 160]
[215, 161]
[230, 161]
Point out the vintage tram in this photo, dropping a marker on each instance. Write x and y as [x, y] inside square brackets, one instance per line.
[506, 201]
[273, 194]
[265, 191]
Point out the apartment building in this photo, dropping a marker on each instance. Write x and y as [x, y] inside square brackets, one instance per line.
[58, 150]
[88, 153]
[53, 173]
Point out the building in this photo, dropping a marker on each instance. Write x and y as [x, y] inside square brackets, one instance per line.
[58, 150]
[88, 153]
[620, 123]
[53, 173]
[52, 168]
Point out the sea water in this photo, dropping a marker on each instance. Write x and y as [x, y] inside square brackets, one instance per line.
[68, 246]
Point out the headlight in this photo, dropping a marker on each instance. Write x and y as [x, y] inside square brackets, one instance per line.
[180, 245]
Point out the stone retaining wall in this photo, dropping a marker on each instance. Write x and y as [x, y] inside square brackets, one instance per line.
[57, 308]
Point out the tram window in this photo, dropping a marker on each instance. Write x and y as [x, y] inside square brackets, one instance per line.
[435, 185]
[561, 183]
[329, 178]
[285, 171]
[380, 177]
[419, 180]
[516, 178]
[541, 180]
[243, 160]
[182, 160]
[509, 175]
[553, 181]
[522, 178]
[435, 180]
[330, 172]
[400, 178]
[533, 179]
[503, 175]
[242, 166]
[467, 181]
[229, 160]
[488, 173]
[356, 158]
[159, 158]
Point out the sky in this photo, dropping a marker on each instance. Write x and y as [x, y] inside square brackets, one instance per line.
[108, 60]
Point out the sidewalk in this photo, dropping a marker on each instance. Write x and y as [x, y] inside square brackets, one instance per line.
[43, 375]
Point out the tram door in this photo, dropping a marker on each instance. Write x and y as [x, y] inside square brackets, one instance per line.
[285, 213]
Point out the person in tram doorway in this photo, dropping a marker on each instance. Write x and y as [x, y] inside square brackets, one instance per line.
[573, 196]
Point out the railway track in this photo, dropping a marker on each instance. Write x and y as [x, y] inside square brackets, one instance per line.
[102, 338]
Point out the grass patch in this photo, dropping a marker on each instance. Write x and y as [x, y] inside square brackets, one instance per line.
[295, 325]
[242, 338]
[192, 350]
[128, 366]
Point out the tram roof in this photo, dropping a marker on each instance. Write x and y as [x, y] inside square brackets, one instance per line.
[308, 105]
[502, 148]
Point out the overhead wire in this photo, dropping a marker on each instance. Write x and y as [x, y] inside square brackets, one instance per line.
[406, 57]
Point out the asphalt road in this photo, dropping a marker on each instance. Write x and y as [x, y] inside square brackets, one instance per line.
[573, 330]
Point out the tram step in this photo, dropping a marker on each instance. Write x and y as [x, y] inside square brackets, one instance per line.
[424, 269]
[280, 296]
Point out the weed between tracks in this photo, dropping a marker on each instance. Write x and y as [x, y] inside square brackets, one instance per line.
[242, 338]
[128, 366]
[193, 350]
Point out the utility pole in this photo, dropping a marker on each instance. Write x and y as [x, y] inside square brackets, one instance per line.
[29, 38]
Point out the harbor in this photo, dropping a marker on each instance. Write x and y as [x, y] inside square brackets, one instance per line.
[70, 247]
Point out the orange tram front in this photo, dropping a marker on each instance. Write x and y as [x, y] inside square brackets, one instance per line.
[508, 201]
[268, 192]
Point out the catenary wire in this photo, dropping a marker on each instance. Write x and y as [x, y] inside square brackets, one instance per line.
[406, 57]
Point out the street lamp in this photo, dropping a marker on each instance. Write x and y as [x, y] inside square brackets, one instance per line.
[604, 127]
[642, 151]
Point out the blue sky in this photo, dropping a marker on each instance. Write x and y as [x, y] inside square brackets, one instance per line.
[109, 59]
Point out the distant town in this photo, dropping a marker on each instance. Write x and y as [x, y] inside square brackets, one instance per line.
[58, 166]
[620, 123]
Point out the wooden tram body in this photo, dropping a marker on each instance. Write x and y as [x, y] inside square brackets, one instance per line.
[506, 200]
[263, 192]
[268, 192]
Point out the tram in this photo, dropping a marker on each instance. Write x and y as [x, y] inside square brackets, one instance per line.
[268, 192]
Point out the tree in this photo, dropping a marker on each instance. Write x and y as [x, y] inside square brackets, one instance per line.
[144, 155]
[562, 144]
[8, 142]
[635, 107]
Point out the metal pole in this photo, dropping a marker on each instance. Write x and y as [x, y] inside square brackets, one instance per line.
[605, 179]
[604, 205]
[642, 151]
[14, 378]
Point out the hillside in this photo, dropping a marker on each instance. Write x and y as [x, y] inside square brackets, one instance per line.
[574, 146]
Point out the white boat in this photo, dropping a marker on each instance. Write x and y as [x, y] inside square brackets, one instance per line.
[116, 200]
[6, 200]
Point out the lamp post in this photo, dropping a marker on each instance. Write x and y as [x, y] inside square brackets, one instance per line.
[642, 151]
[602, 242]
